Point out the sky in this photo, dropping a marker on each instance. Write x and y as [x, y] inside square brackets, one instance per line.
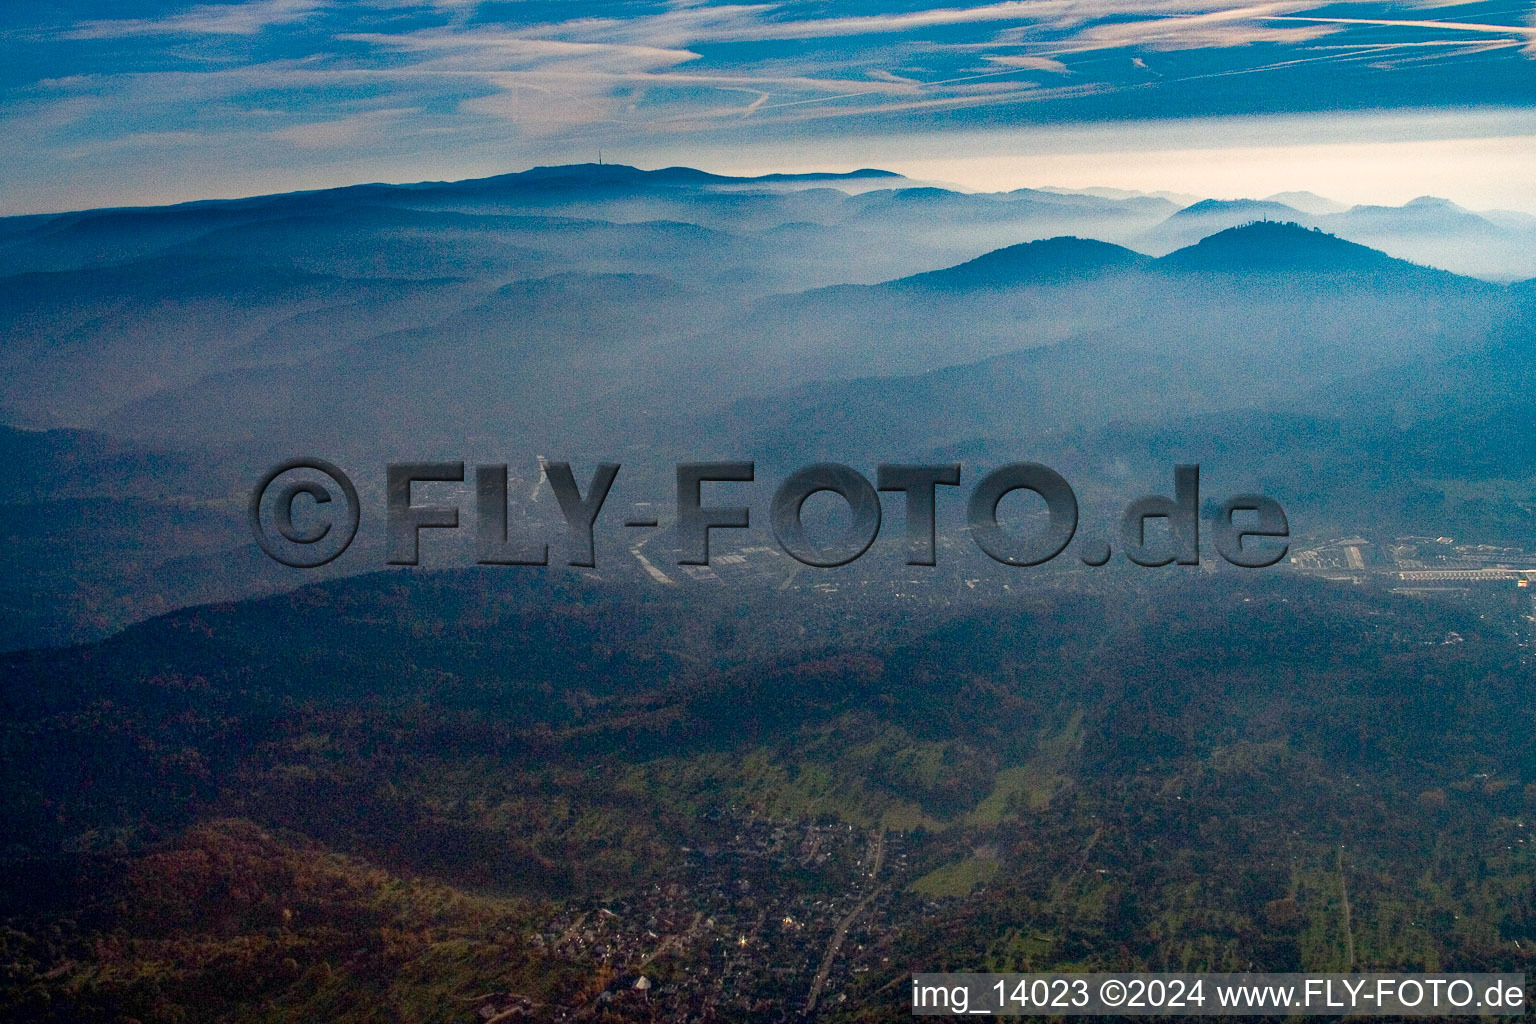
[130, 102]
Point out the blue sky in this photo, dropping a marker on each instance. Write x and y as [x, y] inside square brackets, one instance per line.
[129, 102]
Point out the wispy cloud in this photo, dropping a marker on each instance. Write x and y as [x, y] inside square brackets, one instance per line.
[501, 45]
[1241, 26]
[344, 131]
[763, 23]
[232, 19]
[1028, 63]
[546, 85]
[606, 69]
[1520, 33]
[823, 28]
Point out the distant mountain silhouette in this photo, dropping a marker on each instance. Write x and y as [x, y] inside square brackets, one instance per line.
[1189, 225]
[1009, 299]
[1425, 214]
[1260, 246]
[1175, 199]
[607, 174]
[1020, 204]
[67, 240]
[1271, 246]
[1439, 232]
[1049, 260]
[1426, 230]
[863, 172]
[1255, 315]
[1253, 209]
[1308, 202]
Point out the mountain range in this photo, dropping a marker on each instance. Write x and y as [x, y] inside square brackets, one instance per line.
[603, 312]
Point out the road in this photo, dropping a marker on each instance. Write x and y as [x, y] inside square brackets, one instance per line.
[841, 931]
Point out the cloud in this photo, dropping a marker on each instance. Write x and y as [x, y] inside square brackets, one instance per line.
[499, 45]
[678, 26]
[742, 27]
[533, 99]
[555, 76]
[234, 19]
[1029, 63]
[1521, 33]
[549, 79]
[960, 98]
[1214, 30]
[345, 131]
[821, 28]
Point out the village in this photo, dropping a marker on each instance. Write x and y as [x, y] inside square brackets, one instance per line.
[771, 920]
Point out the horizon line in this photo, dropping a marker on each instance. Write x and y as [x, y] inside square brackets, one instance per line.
[783, 176]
